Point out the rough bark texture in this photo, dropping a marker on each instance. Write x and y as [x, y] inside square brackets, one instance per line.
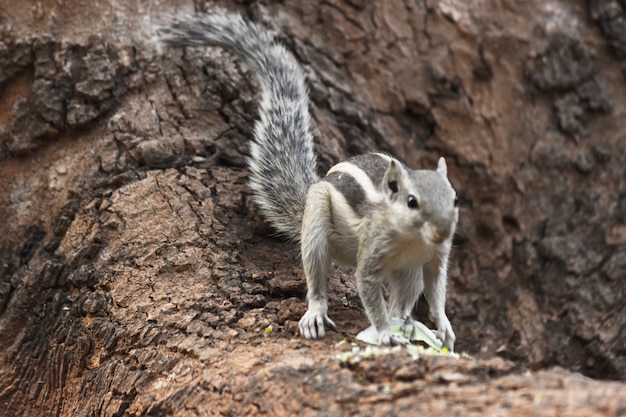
[136, 277]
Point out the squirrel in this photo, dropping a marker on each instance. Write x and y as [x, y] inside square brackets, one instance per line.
[394, 224]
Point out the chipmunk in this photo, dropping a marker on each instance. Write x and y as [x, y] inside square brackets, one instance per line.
[394, 224]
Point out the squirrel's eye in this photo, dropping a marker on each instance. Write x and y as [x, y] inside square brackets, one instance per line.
[456, 201]
[411, 201]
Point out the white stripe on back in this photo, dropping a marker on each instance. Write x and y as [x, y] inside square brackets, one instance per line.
[361, 178]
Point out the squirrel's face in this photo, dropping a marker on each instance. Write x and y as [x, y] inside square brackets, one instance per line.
[422, 203]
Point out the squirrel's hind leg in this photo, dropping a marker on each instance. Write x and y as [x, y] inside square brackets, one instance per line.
[316, 260]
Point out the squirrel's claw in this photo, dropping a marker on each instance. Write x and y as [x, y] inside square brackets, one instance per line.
[311, 325]
[387, 337]
[446, 334]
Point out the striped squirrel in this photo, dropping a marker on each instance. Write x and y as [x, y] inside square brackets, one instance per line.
[394, 224]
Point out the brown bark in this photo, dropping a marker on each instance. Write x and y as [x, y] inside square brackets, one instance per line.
[137, 278]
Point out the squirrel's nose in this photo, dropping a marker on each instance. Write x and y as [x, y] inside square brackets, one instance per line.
[440, 234]
[438, 239]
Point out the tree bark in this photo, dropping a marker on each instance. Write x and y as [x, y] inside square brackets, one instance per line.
[137, 277]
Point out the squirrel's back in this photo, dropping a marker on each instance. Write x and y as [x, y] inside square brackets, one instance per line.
[282, 161]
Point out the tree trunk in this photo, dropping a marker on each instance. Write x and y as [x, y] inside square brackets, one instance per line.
[137, 277]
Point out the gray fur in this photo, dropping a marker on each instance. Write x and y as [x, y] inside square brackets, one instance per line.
[352, 191]
[358, 215]
[283, 142]
[373, 164]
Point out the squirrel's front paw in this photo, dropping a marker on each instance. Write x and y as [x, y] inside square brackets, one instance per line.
[446, 334]
[311, 325]
[387, 337]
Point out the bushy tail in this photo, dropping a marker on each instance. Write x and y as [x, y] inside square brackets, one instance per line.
[282, 161]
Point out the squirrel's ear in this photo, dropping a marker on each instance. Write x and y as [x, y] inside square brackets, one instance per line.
[394, 178]
[442, 168]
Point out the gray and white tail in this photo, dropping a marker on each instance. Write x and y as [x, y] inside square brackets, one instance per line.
[282, 161]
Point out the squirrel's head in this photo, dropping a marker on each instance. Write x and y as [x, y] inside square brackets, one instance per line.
[421, 202]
